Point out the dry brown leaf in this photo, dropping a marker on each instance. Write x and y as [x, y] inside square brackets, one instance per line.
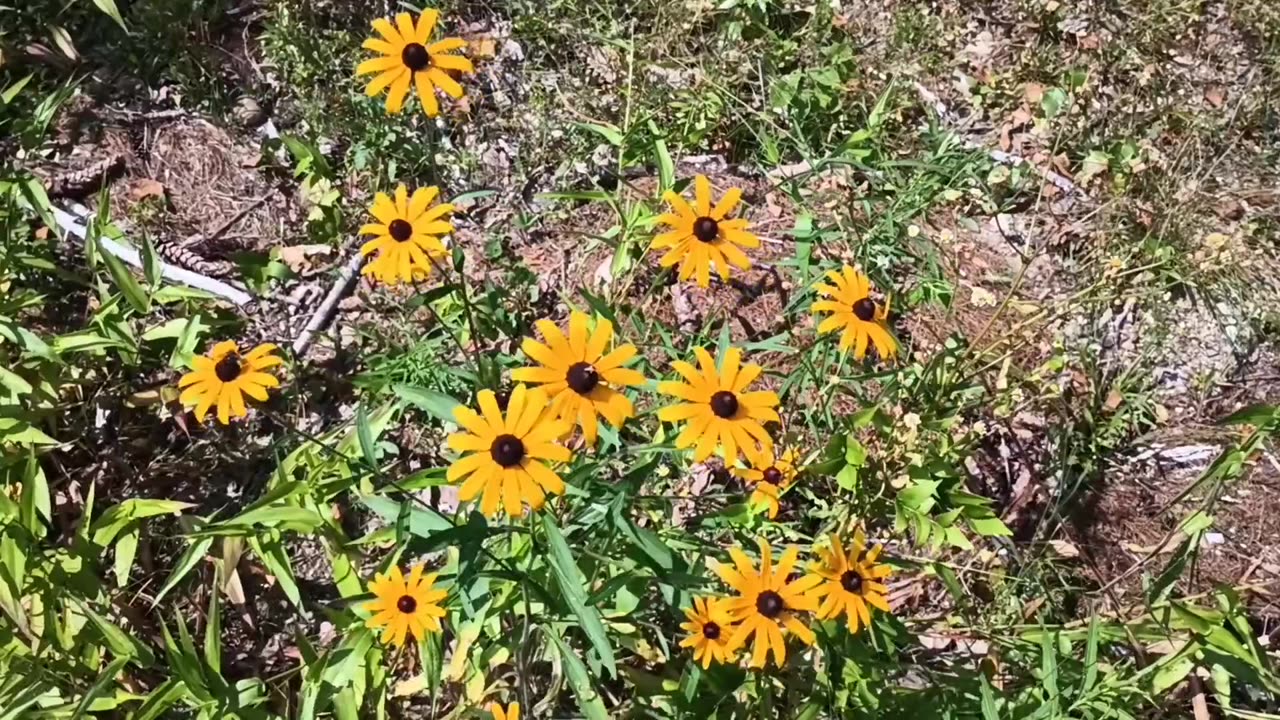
[295, 256]
[1064, 548]
[482, 47]
[1114, 400]
[144, 188]
[1033, 93]
[1215, 95]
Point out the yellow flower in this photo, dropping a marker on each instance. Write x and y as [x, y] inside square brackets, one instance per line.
[224, 377]
[511, 713]
[506, 465]
[851, 582]
[768, 476]
[767, 602]
[405, 605]
[406, 236]
[407, 58]
[701, 237]
[577, 374]
[765, 496]
[709, 626]
[718, 410]
[855, 313]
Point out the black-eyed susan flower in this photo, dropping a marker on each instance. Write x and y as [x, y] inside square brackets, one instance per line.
[577, 374]
[701, 237]
[511, 713]
[406, 236]
[224, 376]
[408, 57]
[768, 476]
[859, 318]
[767, 602]
[507, 461]
[710, 627]
[852, 582]
[405, 606]
[718, 411]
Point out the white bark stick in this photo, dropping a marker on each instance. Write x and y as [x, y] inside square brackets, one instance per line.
[72, 225]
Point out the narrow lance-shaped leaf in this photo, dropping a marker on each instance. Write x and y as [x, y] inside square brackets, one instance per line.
[569, 578]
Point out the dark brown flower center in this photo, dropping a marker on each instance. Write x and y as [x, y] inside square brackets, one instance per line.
[710, 631]
[582, 377]
[724, 404]
[406, 604]
[772, 475]
[865, 309]
[851, 581]
[400, 230]
[769, 604]
[228, 368]
[706, 229]
[507, 450]
[415, 57]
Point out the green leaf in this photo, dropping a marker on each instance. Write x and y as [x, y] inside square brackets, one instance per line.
[421, 522]
[34, 507]
[31, 695]
[990, 527]
[126, 548]
[272, 554]
[1259, 414]
[609, 132]
[847, 478]
[120, 643]
[194, 553]
[579, 679]
[435, 404]
[213, 628]
[365, 434]
[666, 166]
[988, 699]
[38, 199]
[118, 516]
[17, 432]
[113, 12]
[1171, 673]
[105, 678]
[295, 518]
[184, 662]
[150, 263]
[133, 292]
[12, 91]
[185, 347]
[1052, 101]
[14, 382]
[1091, 656]
[349, 658]
[569, 577]
[160, 700]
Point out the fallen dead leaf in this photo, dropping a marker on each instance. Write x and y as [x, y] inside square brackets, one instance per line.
[1215, 95]
[482, 47]
[982, 297]
[1033, 93]
[144, 188]
[1114, 400]
[1064, 548]
[296, 256]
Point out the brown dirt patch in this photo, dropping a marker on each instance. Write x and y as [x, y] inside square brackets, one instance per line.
[1129, 522]
[208, 178]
